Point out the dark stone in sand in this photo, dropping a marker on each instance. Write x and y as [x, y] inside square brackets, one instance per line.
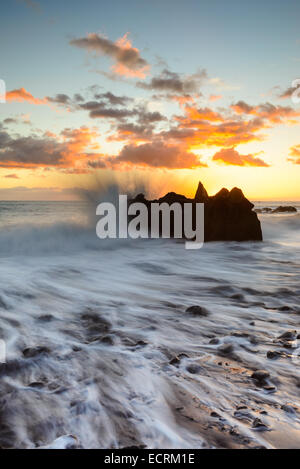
[273, 354]
[289, 335]
[287, 209]
[270, 389]
[177, 359]
[243, 415]
[288, 408]
[33, 352]
[260, 375]
[36, 385]
[107, 339]
[133, 343]
[197, 311]
[259, 425]
[194, 369]
[238, 297]
[285, 308]
[174, 361]
[214, 341]
[215, 415]
[45, 318]
[229, 216]
[226, 349]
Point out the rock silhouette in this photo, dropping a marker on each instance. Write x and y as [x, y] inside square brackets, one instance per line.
[228, 215]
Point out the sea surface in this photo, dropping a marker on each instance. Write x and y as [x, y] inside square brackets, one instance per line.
[101, 353]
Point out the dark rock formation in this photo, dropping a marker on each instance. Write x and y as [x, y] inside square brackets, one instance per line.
[287, 209]
[229, 216]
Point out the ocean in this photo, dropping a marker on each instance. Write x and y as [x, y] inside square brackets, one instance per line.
[101, 353]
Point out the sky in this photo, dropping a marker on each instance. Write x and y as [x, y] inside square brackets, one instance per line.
[168, 92]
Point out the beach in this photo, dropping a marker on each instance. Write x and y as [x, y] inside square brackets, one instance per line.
[104, 350]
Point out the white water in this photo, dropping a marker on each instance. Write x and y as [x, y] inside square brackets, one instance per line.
[112, 315]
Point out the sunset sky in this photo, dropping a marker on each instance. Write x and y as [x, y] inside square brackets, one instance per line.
[169, 91]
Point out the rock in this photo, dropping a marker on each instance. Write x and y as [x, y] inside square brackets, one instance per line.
[215, 415]
[214, 341]
[46, 318]
[287, 209]
[287, 336]
[194, 369]
[264, 210]
[259, 425]
[32, 352]
[284, 308]
[238, 297]
[270, 389]
[197, 311]
[273, 354]
[226, 349]
[228, 215]
[288, 408]
[201, 194]
[177, 359]
[107, 339]
[174, 361]
[260, 375]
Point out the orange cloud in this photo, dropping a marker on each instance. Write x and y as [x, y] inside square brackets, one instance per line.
[273, 114]
[71, 150]
[230, 156]
[156, 154]
[128, 60]
[295, 154]
[215, 97]
[21, 95]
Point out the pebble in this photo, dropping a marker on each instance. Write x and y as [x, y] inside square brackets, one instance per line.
[288, 408]
[259, 425]
[226, 349]
[194, 369]
[289, 335]
[260, 375]
[197, 311]
[273, 354]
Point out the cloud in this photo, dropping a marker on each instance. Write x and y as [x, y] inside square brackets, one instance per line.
[32, 4]
[157, 155]
[10, 120]
[11, 176]
[60, 99]
[274, 114]
[20, 119]
[21, 95]
[171, 82]
[98, 109]
[71, 149]
[113, 99]
[128, 60]
[294, 154]
[215, 97]
[287, 94]
[230, 156]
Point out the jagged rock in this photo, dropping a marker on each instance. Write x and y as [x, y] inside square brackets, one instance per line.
[228, 215]
[201, 194]
[287, 209]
